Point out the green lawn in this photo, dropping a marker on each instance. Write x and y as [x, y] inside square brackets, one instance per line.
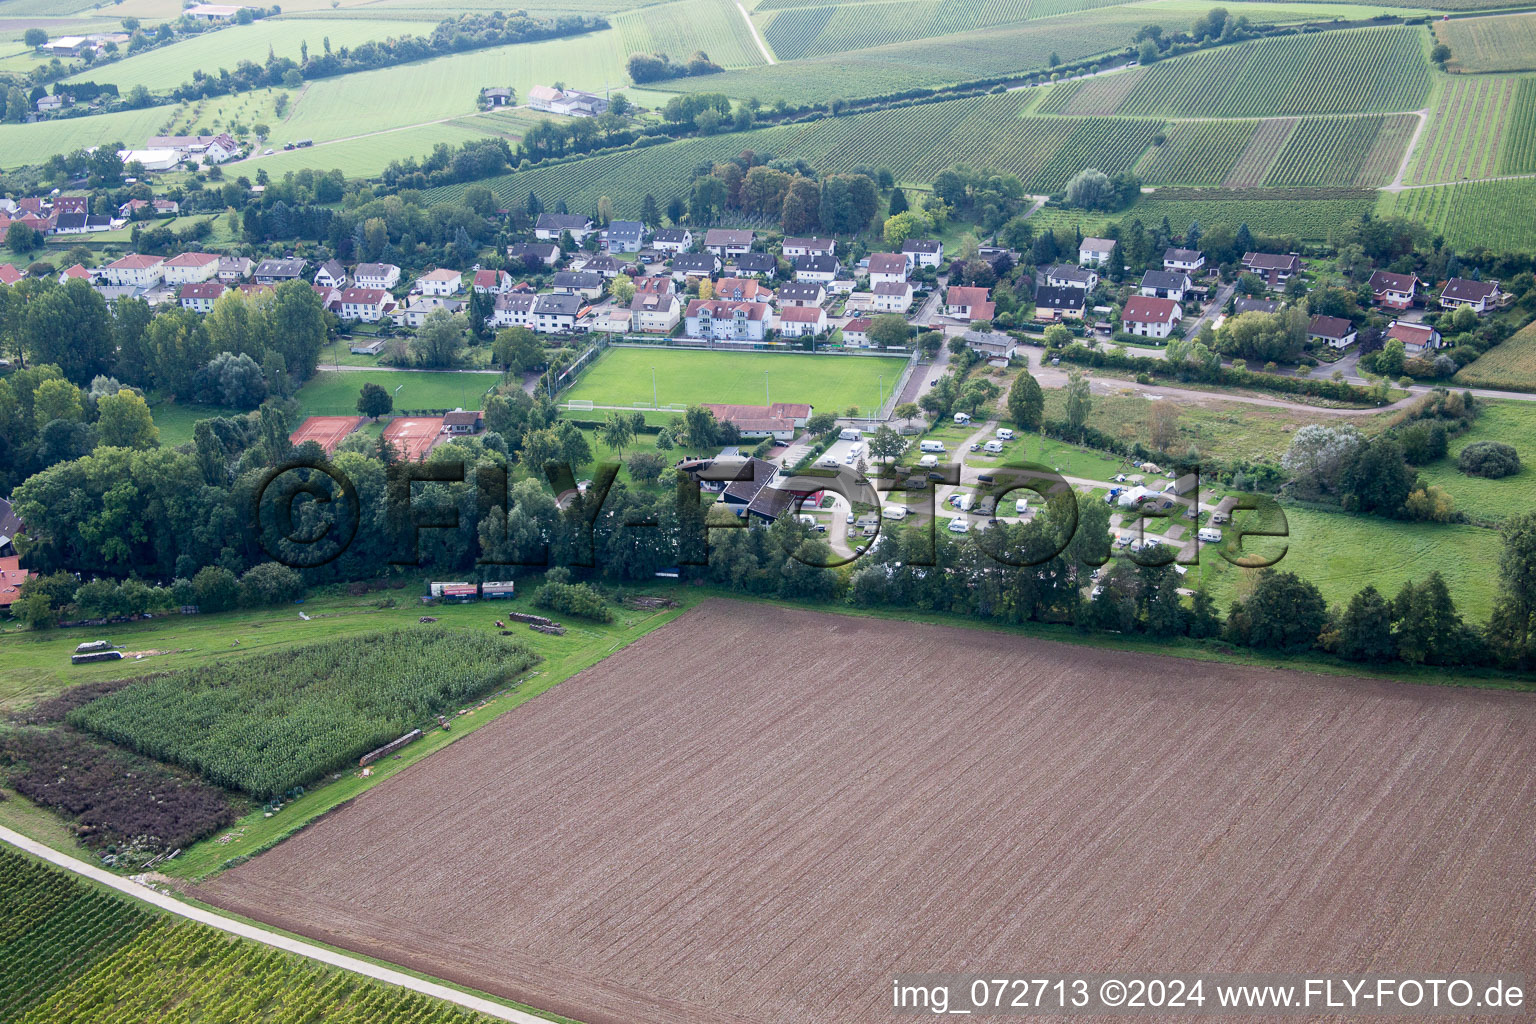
[1514, 423]
[1340, 554]
[176, 420]
[622, 376]
[330, 393]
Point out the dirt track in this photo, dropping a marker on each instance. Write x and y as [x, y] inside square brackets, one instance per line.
[760, 815]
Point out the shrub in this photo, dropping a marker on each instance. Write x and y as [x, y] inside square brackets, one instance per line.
[573, 599]
[1491, 459]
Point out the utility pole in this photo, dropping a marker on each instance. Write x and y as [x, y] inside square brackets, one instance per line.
[766, 395]
[655, 404]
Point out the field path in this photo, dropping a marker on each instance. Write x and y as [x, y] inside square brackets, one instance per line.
[283, 942]
[762, 46]
[1396, 184]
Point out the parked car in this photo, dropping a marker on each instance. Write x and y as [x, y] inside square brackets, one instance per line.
[976, 447]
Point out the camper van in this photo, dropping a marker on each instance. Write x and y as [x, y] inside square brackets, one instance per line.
[1004, 434]
[932, 446]
[964, 502]
[993, 447]
[1209, 535]
[849, 434]
[962, 418]
[959, 525]
[894, 512]
[928, 461]
[1020, 506]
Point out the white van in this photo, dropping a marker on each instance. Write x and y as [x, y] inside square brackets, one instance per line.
[894, 512]
[962, 418]
[959, 525]
[1020, 506]
[965, 502]
[1209, 535]
[992, 447]
[856, 450]
[928, 461]
[849, 434]
[932, 446]
[1004, 434]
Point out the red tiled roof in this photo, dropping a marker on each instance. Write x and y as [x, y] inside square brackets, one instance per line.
[135, 261]
[363, 296]
[961, 296]
[802, 314]
[1144, 309]
[202, 290]
[192, 259]
[887, 263]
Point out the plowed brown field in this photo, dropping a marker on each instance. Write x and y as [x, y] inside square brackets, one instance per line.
[760, 815]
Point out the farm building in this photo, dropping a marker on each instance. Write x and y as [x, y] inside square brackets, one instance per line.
[571, 102]
[326, 431]
[779, 421]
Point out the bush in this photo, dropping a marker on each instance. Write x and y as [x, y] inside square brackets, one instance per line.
[1492, 459]
[573, 599]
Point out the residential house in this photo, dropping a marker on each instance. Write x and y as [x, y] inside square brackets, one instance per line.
[497, 96]
[1064, 275]
[570, 102]
[1417, 339]
[821, 269]
[415, 312]
[694, 264]
[726, 321]
[200, 296]
[550, 226]
[556, 313]
[275, 272]
[801, 293]
[1247, 305]
[50, 104]
[462, 422]
[1094, 252]
[492, 282]
[659, 284]
[9, 274]
[578, 282]
[1395, 291]
[799, 321]
[331, 275]
[1052, 303]
[376, 275]
[672, 240]
[727, 242]
[1188, 261]
[330, 298]
[1166, 284]
[69, 224]
[74, 273]
[1480, 296]
[442, 281]
[513, 311]
[892, 297]
[99, 222]
[234, 269]
[742, 289]
[1150, 317]
[535, 253]
[365, 304]
[1336, 331]
[654, 312]
[752, 264]
[605, 266]
[1275, 269]
[135, 271]
[856, 332]
[191, 268]
[969, 303]
[10, 528]
[625, 236]
[888, 268]
[794, 247]
[923, 252]
[991, 344]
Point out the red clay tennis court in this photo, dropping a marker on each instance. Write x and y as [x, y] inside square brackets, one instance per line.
[327, 431]
[414, 437]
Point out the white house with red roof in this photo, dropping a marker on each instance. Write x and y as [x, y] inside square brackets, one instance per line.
[492, 282]
[1395, 291]
[135, 271]
[199, 296]
[364, 304]
[726, 321]
[9, 274]
[856, 332]
[1150, 317]
[801, 321]
[440, 282]
[75, 273]
[1417, 339]
[191, 267]
[888, 268]
[969, 303]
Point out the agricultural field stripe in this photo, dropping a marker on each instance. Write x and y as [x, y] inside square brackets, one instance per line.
[266, 938]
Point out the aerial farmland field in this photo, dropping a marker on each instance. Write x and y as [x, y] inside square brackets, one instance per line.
[687, 834]
[1504, 43]
[622, 376]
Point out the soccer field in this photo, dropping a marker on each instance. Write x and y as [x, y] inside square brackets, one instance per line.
[335, 394]
[622, 376]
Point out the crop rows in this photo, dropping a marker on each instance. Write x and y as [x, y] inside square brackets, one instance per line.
[1354, 71]
[1461, 140]
[1098, 95]
[814, 31]
[71, 953]
[1309, 214]
[1509, 364]
[1324, 151]
[1257, 157]
[678, 29]
[1491, 214]
[266, 724]
[1518, 153]
[1506, 43]
[1386, 153]
[914, 142]
[1197, 152]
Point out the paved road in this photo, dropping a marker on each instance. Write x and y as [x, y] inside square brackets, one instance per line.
[283, 942]
[1211, 311]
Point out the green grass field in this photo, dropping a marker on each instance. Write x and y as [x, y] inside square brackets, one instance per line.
[330, 393]
[622, 376]
[1340, 554]
[1510, 364]
[1513, 423]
